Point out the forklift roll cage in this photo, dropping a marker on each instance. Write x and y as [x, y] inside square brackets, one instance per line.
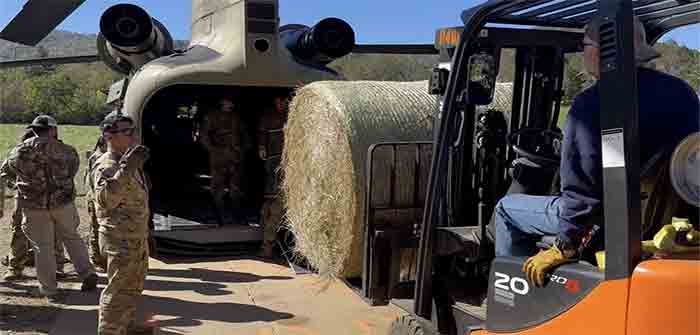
[619, 116]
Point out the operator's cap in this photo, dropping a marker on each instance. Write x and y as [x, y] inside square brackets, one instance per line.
[643, 51]
[110, 121]
[43, 121]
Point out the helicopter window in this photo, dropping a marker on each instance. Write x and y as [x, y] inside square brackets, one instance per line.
[262, 45]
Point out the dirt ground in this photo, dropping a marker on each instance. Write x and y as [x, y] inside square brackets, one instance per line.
[20, 312]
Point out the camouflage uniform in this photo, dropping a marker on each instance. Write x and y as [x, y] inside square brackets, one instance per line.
[44, 172]
[20, 253]
[270, 138]
[220, 133]
[95, 255]
[121, 207]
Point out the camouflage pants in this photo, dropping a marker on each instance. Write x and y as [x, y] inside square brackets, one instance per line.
[20, 249]
[96, 256]
[127, 265]
[225, 173]
[272, 219]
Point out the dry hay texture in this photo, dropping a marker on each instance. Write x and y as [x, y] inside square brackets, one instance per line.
[330, 127]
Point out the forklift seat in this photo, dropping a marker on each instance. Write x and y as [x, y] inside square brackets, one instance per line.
[659, 201]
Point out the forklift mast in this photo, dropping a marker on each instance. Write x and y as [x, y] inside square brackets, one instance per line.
[475, 146]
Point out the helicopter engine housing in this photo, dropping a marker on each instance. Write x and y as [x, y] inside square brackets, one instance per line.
[129, 38]
[328, 40]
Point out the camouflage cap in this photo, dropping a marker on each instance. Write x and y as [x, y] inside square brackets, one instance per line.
[43, 121]
[110, 121]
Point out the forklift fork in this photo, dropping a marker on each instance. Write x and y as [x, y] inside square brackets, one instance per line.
[406, 164]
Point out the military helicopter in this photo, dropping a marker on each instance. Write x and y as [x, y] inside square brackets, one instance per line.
[237, 49]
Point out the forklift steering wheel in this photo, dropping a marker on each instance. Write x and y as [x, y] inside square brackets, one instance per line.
[546, 145]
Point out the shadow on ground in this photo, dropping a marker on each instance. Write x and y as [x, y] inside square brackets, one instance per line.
[173, 259]
[179, 313]
[189, 313]
[214, 275]
[204, 288]
[21, 318]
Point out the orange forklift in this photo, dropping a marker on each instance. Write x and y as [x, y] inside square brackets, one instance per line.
[624, 283]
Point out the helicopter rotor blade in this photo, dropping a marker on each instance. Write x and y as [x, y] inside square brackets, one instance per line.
[406, 49]
[37, 19]
[50, 61]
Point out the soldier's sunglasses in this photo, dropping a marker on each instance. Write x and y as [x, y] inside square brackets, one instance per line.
[126, 131]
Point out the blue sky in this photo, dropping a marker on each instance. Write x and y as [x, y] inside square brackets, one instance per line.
[374, 21]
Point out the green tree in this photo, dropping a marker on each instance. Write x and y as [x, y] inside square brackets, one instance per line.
[12, 103]
[53, 94]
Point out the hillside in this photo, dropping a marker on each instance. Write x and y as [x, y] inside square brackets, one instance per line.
[75, 92]
[57, 44]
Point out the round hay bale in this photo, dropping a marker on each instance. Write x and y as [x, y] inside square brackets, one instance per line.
[331, 125]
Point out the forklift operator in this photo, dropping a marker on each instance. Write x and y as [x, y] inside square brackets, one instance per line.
[668, 111]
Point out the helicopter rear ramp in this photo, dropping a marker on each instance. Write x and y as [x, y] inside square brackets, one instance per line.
[239, 296]
[209, 240]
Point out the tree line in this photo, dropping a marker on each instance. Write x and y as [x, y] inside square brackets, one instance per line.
[75, 93]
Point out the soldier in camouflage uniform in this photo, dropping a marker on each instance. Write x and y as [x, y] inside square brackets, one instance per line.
[96, 256]
[220, 133]
[20, 254]
[44, 169]
[270, 150]
[121, 206]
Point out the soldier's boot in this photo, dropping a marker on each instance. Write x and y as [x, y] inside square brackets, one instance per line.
[61, 261]
[99, 263]
[237, 204]
[55, 297]
[27, 259]
[219, 205]
[267, 250]
[12, 275]
[60, 271]
[96, 258]
[140, 329]
[89, 283]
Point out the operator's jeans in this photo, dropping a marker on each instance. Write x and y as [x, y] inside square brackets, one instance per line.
[521, 220]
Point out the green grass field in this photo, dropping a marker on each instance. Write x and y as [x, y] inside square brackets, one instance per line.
[82, 138]
[563, 111]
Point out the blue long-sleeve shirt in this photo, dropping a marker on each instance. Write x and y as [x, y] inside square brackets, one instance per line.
[669, 111]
